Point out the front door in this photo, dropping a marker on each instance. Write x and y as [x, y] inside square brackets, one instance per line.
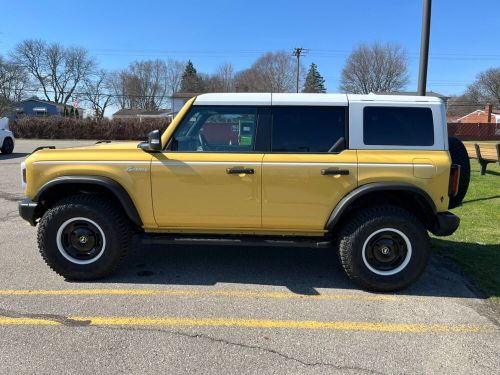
[308, 169]
[210, 175]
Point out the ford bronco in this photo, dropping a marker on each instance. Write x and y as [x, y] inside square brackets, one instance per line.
[366, 175]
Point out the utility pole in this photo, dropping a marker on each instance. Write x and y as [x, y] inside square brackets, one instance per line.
[424, 47]
[299, 52]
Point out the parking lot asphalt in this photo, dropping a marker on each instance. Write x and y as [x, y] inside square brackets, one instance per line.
[216, 310]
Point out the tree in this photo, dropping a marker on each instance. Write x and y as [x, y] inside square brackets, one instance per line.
[314, 81]
[272, 72]
[191, 81]
[225, 75]
[146, 84]
[13, 85]
[375, 68]
[96, 93]
[486, 87]
[57, 70]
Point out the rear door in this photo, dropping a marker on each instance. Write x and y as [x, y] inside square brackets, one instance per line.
[308, 169]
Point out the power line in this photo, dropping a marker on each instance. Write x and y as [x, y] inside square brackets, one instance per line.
[297, 52]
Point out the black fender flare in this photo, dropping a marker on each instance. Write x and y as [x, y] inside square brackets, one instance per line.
[362, 190]
[118, 190]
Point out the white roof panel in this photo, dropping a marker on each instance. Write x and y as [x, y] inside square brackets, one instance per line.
[234, 99]
[392, 98]
[310, 99]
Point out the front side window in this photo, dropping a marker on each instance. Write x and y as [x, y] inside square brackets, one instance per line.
[398, 126]
[216, 129]
[307, 128]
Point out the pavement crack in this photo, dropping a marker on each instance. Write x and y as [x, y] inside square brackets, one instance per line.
[52, 317]
[10, 196]
[251, 347]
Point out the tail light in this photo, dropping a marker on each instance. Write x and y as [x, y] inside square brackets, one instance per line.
[454, 180]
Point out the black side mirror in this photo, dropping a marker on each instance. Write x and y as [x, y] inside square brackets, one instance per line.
[154, 142]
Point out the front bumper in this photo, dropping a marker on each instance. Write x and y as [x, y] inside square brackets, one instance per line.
[445, 224]
[27, 210]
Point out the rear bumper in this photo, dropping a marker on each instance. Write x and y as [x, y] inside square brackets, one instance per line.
[27, 211]
[445, 224]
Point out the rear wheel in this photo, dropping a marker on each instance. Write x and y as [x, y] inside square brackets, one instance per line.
[84, 237]
[384, 248]
[459, 156]
[8, 146]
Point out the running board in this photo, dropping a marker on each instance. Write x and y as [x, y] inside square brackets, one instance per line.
[155, 239]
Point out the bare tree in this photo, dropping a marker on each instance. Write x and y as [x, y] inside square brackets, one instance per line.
[97, 94]
[375, 68]
[272, 72]
[57, 70]
[486, 87]
[225, 76]
[13, 85]
[146, 84]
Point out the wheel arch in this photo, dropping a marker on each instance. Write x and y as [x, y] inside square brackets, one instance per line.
[91, 184]
[404, 195]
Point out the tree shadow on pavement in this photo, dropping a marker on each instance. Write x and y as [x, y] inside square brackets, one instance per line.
[14, 155]
[301, 270]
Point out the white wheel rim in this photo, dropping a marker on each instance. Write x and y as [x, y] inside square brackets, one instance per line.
[401, 266]
[63, 252]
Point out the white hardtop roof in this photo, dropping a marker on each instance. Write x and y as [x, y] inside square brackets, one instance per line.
[303, 99]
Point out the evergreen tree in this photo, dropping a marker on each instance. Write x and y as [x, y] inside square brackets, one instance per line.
[314, 81]
[191, 81]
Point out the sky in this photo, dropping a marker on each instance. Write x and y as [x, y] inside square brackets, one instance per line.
[464, 34]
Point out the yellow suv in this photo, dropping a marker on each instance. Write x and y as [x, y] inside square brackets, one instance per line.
[368, 175]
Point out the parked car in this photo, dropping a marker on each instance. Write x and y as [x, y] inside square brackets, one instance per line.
[365, 175]
[7, 140]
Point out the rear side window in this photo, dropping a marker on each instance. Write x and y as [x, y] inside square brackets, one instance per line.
[398, 126]
[307, 129]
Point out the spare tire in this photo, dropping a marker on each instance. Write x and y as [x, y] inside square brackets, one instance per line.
[459, 156]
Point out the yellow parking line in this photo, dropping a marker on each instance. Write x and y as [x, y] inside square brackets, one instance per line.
[198, 293]
[255, 323]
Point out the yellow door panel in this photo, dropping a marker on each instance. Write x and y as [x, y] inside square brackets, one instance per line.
[296, 195]
[195, 190]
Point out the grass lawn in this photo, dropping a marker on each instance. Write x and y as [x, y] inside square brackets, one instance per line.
[475, 246]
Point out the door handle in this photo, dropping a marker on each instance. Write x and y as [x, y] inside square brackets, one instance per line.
[334, 172]
[240, 171]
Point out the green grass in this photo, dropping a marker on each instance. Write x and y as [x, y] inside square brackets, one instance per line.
[475, 246]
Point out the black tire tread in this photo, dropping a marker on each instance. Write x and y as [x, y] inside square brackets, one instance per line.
[353, 227]
[4, 149]
[91, 201]
[459, 156]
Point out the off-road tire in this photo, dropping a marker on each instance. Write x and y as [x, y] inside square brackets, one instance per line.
[109, 218]
[459, 156]
[7, 146]
[355, 234]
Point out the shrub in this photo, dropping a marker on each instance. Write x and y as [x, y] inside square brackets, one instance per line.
[69, 128]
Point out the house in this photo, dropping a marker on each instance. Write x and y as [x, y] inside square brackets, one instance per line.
[481, 116]
[43, 108]
[140, 114]
[179, 99]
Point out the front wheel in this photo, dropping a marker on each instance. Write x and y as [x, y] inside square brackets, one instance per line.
[384, 248]
[7, 146]
[84, 237]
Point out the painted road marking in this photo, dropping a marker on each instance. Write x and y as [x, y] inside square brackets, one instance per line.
[250, 323]
[199, 293]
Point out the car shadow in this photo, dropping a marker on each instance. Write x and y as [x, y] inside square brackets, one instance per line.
[301, 270]
[14, 155]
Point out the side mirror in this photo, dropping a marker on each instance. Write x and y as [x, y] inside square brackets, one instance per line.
[154, 142]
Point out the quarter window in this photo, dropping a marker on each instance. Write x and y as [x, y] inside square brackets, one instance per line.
[216, 129]
[307, 129]
[398, 126]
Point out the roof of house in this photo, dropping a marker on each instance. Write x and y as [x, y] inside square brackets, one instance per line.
[47, 102]
[479, 111]
[185, 95]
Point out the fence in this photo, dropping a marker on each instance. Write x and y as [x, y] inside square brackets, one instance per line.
[69, 128]
[474, 132]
